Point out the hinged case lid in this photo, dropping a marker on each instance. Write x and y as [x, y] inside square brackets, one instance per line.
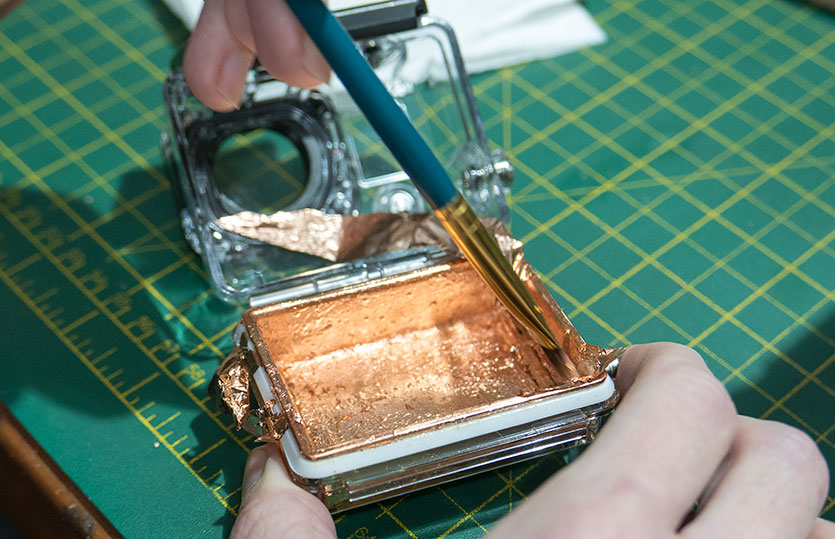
[287, 149]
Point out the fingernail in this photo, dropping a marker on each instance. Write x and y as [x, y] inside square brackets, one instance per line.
[233, 75]
[254, 469]
[275, 475]
[314, 62]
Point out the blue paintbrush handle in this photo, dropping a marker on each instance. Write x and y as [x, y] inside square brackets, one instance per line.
[387, 118]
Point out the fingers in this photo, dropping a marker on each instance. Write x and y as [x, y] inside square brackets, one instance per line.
[274, 507]
[774, 486]
[216, 61]
[253, 470]
[6, 6]
[674, 433]
[284, 48]
[823, 529]
[223, 45]
[671, 431]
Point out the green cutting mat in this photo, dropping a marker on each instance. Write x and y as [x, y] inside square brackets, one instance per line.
[675, 183]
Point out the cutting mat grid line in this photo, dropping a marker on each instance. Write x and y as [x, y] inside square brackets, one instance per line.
[677, 182]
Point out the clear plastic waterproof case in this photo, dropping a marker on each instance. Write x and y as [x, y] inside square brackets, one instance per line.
[390, 371]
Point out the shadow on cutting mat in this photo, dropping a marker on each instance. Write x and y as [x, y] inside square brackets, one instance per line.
[784, 394]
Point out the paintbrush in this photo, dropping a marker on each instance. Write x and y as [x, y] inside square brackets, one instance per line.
[418, 161]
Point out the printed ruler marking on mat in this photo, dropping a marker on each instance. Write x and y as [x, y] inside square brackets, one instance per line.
[136, 333]
[23, 292]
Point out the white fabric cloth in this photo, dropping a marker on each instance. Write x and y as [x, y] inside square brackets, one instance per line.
[187, 11]
[491, 33]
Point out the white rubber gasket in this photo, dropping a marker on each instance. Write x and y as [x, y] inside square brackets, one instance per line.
[456, 432]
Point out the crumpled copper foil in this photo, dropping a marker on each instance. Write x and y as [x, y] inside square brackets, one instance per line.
[230, 389]
[340, 238]
[271, 427]
[590, 360]
[232, 384]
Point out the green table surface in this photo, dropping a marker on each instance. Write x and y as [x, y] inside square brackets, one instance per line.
[674, 183]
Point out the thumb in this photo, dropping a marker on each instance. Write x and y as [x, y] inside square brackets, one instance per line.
[273, 506]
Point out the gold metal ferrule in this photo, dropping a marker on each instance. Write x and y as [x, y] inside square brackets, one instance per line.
[485, 256]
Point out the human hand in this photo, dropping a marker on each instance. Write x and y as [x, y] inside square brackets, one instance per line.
[224, 43]
[273, 506]
[674, 436]
[6, 6]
